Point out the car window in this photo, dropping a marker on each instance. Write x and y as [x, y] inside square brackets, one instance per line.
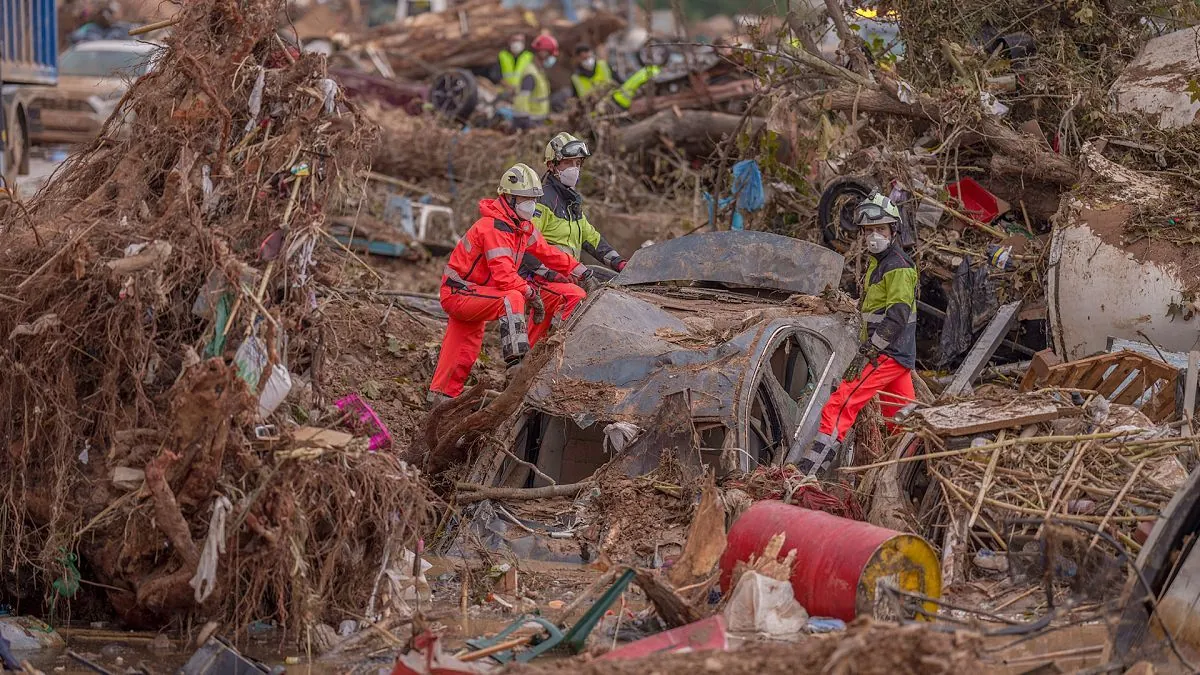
[103, 63]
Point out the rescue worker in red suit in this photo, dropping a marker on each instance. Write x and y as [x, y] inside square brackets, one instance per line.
[483, 282]
[888, 352]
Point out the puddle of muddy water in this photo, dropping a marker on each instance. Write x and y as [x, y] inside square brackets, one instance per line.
[546, 584]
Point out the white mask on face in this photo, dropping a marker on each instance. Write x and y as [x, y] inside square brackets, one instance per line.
[516, 47]
[589, 63]
[526, 209]
[569, 176]
[551, 60]
[877, 243]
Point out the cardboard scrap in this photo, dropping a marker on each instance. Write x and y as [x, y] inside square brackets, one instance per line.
[322, 438]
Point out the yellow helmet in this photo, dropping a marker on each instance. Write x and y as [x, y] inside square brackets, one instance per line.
[520, 181]
[565, 146]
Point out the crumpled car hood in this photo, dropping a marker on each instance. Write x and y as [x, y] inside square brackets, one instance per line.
[626, 353]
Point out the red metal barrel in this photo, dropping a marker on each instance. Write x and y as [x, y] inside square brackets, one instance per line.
[839, 562]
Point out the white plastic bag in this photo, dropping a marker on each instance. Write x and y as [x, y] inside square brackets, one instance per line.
[274, 391]
[764, 605]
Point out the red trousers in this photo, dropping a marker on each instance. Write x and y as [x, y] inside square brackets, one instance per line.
[848, 399]
[470, 310]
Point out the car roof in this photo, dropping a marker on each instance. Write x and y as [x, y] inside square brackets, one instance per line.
[116, 46]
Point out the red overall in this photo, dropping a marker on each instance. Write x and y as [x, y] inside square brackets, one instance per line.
[481, 283]
[850, 396]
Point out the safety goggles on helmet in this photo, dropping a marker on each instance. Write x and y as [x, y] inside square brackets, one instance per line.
[575, 150]
[877, 210]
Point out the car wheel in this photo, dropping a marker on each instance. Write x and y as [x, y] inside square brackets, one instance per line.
[454, 93]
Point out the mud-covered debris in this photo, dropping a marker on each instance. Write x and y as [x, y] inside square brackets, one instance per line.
[867, 647]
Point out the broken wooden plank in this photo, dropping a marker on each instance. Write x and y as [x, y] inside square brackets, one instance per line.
[983, 350]
[978, 416]
[1040, 369]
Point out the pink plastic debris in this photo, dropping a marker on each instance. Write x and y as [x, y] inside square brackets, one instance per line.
[364, 419]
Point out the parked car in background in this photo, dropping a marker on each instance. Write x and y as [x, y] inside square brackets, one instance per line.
[92, 78]
[28, 66]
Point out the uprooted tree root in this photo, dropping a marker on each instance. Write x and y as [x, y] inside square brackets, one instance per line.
[103, 368]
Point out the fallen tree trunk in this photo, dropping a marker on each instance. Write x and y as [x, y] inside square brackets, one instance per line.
[442, 456]
[692, 127]
[717, 93]
[1018, 153]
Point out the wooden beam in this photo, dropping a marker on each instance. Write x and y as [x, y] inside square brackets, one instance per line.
[983, 350]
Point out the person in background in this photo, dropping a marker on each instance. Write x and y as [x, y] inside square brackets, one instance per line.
[628, 90]
[482, 282]
[560, 218]
[592, 76]
[888, 351]
[513, 61]
[531, 104]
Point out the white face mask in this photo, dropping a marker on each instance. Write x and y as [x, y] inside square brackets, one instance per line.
[516, 47]
[877, 243]
[551, 60]
[526, 209]
[589, 63]
[569, 176]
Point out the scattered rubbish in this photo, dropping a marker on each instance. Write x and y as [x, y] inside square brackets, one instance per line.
[706, 635]
[218, 657]
[821, 625]
[276, 389]
[26, 634]
[840, 564]
[125, 478]
[763, 605]
[322, 438]
[428, 658]
[991, 561]
[362, 417]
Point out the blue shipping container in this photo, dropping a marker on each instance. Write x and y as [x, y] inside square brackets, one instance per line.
[28, 41]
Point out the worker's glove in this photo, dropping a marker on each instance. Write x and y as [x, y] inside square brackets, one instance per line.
[537, 306]
[556, 278]
[589, 282]
[866, 354]
[620, 266]
[871, 352]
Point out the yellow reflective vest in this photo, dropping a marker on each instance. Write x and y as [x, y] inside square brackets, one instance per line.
[535, 103]
[511, 66]
[601, 79]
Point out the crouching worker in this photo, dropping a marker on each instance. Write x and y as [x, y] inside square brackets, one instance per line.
[889, 339]
[482, 283]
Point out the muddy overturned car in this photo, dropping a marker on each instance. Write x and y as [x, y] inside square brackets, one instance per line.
[739, 332]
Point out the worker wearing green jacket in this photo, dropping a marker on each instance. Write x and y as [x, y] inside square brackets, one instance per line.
[560, 214]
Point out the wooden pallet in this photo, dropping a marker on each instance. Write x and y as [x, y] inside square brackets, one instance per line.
[1093, 373]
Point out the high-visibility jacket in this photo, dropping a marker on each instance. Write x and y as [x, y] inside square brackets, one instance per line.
[533, 93]
[624, 94]
[511, 66]
[493, 248]
[601, 78]
[889, 305]
[561, 221]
